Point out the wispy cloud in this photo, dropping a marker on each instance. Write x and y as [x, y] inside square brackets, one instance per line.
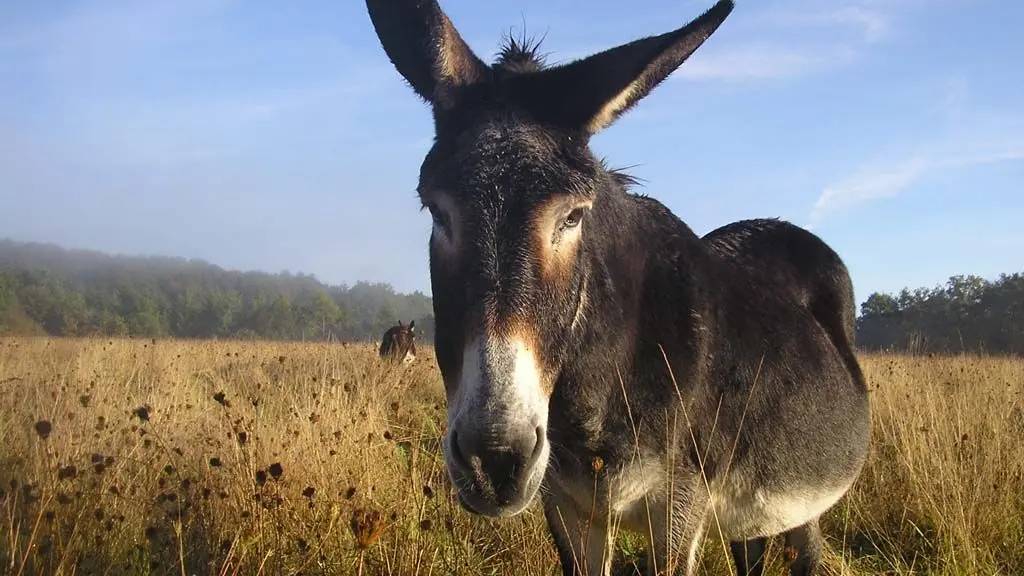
[950, 105]
[869, 23]
[762, 61]
[972, 138]
[874, 25]
[881, 181]
[795, 42]
[872, 182]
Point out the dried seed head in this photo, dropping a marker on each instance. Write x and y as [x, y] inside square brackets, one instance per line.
[366, 527]
[275, 470]
[43, 429]
[67, 472]
[142, 412]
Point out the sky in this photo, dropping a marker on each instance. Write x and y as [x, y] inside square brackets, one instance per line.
[277, 136]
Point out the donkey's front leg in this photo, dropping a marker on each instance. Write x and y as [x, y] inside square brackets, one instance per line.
[683, 522]
[584, 538]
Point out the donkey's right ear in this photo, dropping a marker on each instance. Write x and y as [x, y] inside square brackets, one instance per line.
[425, 48]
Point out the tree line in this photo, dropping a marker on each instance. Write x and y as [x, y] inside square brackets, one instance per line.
[49, 290]
[967, 314]
[45, 289]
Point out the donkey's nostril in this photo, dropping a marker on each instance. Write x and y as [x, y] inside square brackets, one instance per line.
[538, 446]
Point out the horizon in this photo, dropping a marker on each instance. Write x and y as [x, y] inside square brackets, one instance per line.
[349, 285]
[262, 139]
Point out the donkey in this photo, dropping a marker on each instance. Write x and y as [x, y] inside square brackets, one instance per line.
[594, 349]
[399, 343]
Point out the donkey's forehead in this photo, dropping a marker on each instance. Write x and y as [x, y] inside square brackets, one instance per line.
[499, 137]
[503, 153]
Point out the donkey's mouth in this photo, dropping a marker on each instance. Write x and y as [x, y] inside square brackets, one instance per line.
[482, 501]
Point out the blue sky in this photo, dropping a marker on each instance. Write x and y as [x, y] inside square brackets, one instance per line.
[277, 136]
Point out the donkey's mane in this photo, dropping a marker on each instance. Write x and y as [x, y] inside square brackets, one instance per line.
[623, 178]
[520, 56]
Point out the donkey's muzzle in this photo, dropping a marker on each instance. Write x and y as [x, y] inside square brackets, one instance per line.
[497, 473]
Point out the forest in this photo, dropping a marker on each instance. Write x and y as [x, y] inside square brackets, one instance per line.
[49, 290]
[967, 314]
[46, 289]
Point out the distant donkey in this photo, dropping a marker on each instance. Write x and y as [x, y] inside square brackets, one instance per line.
[591, 344]
[399, 343]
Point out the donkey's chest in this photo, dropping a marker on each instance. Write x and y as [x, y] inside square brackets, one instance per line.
[625, 493]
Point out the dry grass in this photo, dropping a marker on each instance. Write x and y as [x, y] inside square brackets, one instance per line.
[135, 457]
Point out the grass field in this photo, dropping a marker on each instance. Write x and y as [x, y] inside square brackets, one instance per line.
[168, 457]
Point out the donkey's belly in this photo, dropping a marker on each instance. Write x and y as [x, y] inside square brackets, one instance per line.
[744, 512]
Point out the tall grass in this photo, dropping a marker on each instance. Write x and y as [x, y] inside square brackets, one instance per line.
[176, 457]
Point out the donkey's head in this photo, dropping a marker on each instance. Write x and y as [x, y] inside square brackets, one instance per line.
[514, 191]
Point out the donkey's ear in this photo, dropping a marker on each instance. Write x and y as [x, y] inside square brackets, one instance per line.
[425, 48]
[593, 92]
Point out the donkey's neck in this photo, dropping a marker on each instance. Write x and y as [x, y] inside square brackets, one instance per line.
[646, 278]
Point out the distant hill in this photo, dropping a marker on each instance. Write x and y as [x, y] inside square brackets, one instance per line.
[47, 289]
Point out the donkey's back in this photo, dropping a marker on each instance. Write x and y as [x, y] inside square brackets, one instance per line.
[796, 260]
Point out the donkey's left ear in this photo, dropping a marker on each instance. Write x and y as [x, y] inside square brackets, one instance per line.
[425, 48]
[591, 93]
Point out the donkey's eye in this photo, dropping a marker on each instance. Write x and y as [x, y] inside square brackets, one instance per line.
[440, 218]
[573, 219]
